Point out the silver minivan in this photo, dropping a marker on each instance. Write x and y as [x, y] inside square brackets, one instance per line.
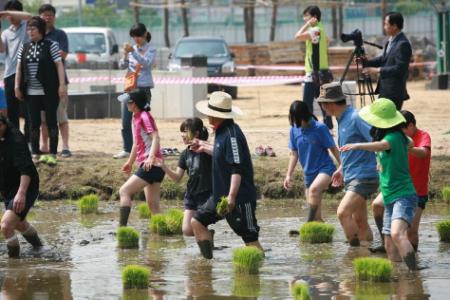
[92, 48]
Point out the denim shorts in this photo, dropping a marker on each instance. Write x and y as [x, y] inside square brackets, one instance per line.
[402, 208]
[329, 170]
[363, 187]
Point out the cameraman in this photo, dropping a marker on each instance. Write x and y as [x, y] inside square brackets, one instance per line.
[392, 66]
[316, 58]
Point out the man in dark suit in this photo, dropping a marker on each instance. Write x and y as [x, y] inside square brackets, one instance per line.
[392, 66]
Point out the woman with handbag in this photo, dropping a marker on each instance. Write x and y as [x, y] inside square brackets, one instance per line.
[316, 58]
[138, 60]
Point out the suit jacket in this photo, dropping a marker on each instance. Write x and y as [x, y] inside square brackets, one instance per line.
[394, 69]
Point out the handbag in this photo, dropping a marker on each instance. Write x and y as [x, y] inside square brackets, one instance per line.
[131, 78]
[322, 76]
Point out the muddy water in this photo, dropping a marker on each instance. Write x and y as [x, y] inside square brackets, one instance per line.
[81, 260]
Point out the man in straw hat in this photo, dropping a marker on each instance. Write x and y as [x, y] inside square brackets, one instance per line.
[358, 168]
[232, 176]
[399, 195]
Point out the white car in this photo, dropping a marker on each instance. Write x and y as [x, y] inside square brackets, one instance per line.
[92, 48]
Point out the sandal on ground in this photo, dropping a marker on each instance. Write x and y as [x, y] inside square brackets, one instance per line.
[269, 151]
[260, 151]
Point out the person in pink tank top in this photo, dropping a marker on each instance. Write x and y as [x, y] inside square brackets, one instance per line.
[145, 152]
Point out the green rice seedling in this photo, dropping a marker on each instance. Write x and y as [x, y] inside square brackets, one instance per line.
[316, 232]
[246, 285]
[128, 237]
[144, 211]
[247, 260]
[135, 277]
[373, 269]
[443, 228]
[300, 291]
[446, 193]
[88, 204]
[222, 206]
[174, 221]
[158, 224]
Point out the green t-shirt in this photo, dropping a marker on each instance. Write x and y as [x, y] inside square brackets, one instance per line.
[323, 51]
[395, 180]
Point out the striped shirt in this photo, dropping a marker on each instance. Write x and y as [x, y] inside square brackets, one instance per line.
[32, 60]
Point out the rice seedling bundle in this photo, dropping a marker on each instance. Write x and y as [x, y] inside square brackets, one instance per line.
[127, 237]
[443, 228]
[300, 291]
[135, 277]
[373, 269]
[144, 211]
[316, 232]
[88, 204]
[247, 260]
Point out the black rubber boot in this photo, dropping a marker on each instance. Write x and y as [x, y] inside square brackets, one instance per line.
[312, 213]
[206, 248]
[34, 240]
[379, 222]
[212, 232]
[13, 251]
[354, 242]
[377, 249]
[416, 247]
[410, 261]
[124, 214]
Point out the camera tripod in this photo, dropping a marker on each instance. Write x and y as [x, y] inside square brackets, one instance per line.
[363, 81]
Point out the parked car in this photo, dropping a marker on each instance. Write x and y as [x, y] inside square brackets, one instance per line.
[92, 48]
[219, 58]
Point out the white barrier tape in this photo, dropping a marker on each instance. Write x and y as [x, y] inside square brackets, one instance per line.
[231, 81]
[302, 68]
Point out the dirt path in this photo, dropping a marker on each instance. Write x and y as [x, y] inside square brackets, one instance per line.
[265, 122]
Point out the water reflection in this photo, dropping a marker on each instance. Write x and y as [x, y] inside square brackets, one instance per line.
[42, 284]
[248, 286]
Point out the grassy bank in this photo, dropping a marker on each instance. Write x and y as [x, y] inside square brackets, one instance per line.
[98, 173]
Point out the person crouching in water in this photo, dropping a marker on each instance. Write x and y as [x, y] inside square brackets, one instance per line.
[19, 186]
[399, 195]
[309, 142]
[232, 176]
[198, 168]
[145, 152]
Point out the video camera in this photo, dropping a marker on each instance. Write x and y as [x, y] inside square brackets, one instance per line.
[355, 36]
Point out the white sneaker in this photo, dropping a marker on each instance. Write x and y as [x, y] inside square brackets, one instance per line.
[122, 154]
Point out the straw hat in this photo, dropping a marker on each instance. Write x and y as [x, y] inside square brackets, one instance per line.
[331, 92]
[219, 105]
[382, 113]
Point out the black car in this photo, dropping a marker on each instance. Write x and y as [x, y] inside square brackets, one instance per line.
[219, 57]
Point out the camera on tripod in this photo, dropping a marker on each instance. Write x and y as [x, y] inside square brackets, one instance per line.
[355, 36]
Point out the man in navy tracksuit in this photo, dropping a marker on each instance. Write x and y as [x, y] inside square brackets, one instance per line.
[232, 176]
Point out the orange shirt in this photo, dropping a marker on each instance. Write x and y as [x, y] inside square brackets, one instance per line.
[420, 167]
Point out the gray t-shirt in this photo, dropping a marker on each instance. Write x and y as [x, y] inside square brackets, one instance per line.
[13, 38]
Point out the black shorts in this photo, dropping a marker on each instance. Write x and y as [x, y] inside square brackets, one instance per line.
[193, 202]
[242, 219]
[155, 174]
[32, 195]
[422, 201]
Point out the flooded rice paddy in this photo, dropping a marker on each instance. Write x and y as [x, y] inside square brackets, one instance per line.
[81, 260]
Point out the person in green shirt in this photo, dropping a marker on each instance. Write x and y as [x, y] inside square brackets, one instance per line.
[316, 58]
[399, 194]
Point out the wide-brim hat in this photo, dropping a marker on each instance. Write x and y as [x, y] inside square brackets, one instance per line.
[331, 92]
[218, 105]
[382, 113]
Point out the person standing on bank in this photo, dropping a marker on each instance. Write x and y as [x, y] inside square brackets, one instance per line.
[316, 58]
[358, 168]
[11, 40]
[137, 59]
[392, 65]
[232, 176]
[40, 79]
[399, 195]
[19, 187]
[47, 12]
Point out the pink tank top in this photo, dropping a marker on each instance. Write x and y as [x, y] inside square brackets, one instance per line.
[144, 125]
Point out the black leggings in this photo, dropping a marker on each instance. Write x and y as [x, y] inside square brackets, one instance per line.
[49, 105]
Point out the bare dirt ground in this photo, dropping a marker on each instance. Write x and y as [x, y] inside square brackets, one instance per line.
[265, 121]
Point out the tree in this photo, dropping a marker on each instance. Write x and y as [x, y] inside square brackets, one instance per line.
[249, 21]
[273, 22]
[184, 15]
[166, 24]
